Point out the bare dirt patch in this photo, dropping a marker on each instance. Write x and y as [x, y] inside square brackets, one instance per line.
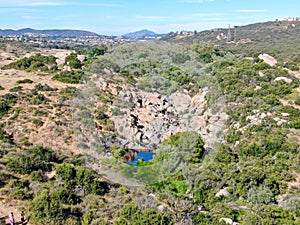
[9, 78]
[8, 206]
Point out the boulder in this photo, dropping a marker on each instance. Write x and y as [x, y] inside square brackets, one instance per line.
[226, 220]
[161, 208]
[268, 59]
[222, 192]
[81, 58]
[285, 79]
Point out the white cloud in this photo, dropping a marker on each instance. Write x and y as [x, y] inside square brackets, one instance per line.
[28, 3]
[46, 4]
[22, 3]
[95, 4]
[251, 10]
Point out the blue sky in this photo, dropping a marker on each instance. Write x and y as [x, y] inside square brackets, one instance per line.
[115, 17]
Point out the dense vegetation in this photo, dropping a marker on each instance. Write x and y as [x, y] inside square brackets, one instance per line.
[251, 175]
[37, 62]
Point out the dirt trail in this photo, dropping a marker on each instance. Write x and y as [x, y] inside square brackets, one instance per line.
[6, 208]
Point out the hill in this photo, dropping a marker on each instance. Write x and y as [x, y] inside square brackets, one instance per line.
[224, 130]
[140, 34]
[278, 38]
[48, 33]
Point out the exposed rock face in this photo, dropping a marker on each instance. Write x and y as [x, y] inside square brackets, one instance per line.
[268, 59]
[149, 118]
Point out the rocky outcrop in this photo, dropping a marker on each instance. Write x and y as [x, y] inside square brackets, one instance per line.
[268, 59]
[153, 118]
[142, 120]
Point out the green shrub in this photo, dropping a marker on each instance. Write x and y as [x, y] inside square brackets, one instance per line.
[131, 214]
[37, 158]
[16, 89]
[37, 62]
[25, 81]
[70, 77]
[72, 61]
[297, 100]
[189, 143]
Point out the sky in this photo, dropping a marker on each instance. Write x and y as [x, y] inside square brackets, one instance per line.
[117, 17]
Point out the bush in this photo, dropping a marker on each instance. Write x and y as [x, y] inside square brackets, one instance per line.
[25, 81]
[72, 61]
[34, 159]
[70, 77]
[16, 89]
[297, 100]
[6, 102]
[131, 214]
[37, 62]
[189, 143]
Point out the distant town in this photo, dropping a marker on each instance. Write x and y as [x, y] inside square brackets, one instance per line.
[45, 39]
[288, 19]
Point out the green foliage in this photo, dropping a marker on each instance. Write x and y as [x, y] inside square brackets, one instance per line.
[131, 214]
[91, 51]
[6, 102]
[37, 62]
[101, 113]
[4, 136]
[43, 87]
[36, 98]
[101, 64]
[189, 143]
[270, 214]
[72, 61]
[180, 58]
[86, 219]
[37, 176]
[205, 219]
[16, 89]
[67, 93]
[207, 52]
[70, 77]
[25, 81]
[297, 100]
[1, 88]
[19, 190]
[81, 177]
[261, 195]
[37, 158]
[47, 208]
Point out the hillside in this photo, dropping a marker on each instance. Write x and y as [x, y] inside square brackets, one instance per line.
[223, 128]
[278, 38]
[47, 33]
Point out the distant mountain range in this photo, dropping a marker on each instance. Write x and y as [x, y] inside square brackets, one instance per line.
[48, 33]
[141, 34]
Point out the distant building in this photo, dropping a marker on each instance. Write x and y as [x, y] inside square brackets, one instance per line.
[290, 19]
